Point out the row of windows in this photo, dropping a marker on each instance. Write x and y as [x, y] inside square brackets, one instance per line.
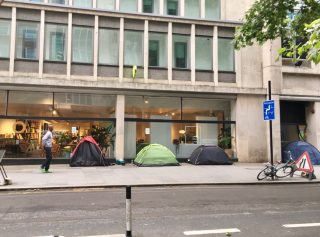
[192, 8]
[55, 48]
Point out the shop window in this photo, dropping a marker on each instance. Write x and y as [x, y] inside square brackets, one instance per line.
[63, 2]
[157, 50]
[129, 5]
[181, 48]
[82, 44]
[84, 105]
[108, 46]
[212, 9]
[55, 42]
[3, 102]
[133, 48]
[192, 8]
[5, 28]
[148, 6]
[27, 40]
[203, 53]
[106, 4]
[172, 7]
[225, 55]
[30, 103]
[82, 3]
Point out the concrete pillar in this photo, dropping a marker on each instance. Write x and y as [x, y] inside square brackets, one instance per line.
[202, 8]
[117, 5]
[170, 49]
[182, 4]
[161, 7]
[251, 129]
[94, 3]
[146, 50]
[215, 56]
[96, 48]
[272, 72]
[120, 108]
[13, 41]
[223, 9]
[313, 125]
[121, 50]
[41, 43]
[69, 44]
[193, 54]
[140, 5]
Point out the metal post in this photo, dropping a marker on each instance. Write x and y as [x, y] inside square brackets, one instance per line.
[128, 212]
[270, 127]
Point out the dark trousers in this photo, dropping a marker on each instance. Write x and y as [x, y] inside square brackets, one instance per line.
[46, 164]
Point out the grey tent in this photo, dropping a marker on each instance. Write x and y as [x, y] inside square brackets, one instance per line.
[87, 153]
[209, 155]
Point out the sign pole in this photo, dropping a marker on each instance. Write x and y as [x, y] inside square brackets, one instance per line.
[270, 127]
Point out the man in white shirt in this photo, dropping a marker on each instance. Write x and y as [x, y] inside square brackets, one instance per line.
[47, 145]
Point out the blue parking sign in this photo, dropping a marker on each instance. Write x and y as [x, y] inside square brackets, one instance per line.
[268, 110]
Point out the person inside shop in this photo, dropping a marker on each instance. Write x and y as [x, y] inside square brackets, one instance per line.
[47, 146]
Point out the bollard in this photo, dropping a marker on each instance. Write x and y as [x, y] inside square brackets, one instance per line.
[128, 211]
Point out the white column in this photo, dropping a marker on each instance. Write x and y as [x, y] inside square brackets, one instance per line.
[182, 3]
[121, 49]
[170, 52]
[117, 5]
[193, 54]
[202, 8]
[215, 56]
[70, 2]
[120, 108]
[41, 44]
[146, 50]
[13, 40]
[139, 5]
[222, 10]
[94, 3]
[96, 47]
[161, 7]
[69, 43]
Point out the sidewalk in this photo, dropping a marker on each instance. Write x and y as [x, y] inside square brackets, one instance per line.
[63, 176]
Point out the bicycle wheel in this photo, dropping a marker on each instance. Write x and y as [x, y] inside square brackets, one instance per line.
[264, 173]
[284, 171]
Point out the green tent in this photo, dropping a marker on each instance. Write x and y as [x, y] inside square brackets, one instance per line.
[155, 155]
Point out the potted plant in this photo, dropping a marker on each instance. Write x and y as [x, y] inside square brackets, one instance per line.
[224, 141]
[104, 136]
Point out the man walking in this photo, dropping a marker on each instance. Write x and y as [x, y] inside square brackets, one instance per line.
[47, 145]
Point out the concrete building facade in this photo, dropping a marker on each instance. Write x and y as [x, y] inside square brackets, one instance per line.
[162, 71]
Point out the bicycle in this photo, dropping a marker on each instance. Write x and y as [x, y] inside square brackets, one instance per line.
[278, 170]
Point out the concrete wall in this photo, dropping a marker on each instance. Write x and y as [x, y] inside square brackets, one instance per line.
[251, 131]
[313, 128]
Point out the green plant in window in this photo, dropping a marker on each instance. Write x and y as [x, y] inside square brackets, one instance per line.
[225, 138]
[64, 139]
[104, 136]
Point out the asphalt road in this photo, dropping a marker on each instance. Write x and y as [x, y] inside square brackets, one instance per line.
[250, 211]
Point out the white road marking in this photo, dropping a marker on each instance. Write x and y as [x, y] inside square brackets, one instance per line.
[206, 232]
[301, 225]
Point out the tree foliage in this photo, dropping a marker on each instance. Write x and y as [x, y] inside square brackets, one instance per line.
[297, 21]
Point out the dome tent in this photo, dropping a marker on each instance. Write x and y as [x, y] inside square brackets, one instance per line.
[155, 155]
[296, 149]
[87, 153]
[209, 155]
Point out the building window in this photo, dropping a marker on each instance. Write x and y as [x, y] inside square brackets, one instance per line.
[172, 7]
[148, 6]
[157, 50]
[225, 55]
[27, 40]
[5, 27]
[82, 44]
[63, 2]
[55, 42]
[108, 46]
[133, 48]
[129, 5]
[212, 9]
[192, 8]
[106, 4]
[203, 53]
[181, 48]
[82, 3]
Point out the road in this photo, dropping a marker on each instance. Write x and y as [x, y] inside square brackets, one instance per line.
[250, 211]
